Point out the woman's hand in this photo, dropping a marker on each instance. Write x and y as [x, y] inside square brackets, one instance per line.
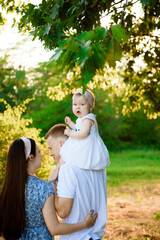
[90, 220]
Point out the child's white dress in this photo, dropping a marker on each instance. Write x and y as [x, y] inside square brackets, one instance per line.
[86, 153]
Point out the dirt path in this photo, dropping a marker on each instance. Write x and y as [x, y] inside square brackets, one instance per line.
[132, 213]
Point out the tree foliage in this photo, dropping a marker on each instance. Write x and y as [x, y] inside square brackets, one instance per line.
[16, 85]
[13, 84]
[73, 28]
[118, 131]
[143, 83]
[82, 46]
[13, 126]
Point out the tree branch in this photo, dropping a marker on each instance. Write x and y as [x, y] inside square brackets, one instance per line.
[129, 4]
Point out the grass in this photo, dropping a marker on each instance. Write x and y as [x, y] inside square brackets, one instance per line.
[132, 166]
[157, 217]
[133, 187]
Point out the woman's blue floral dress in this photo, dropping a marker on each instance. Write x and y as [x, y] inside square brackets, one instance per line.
[36, 193]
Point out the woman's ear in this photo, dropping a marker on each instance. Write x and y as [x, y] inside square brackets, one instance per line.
[30, 158]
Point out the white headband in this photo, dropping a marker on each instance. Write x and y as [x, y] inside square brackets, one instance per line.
[27, 145]
[87, 95]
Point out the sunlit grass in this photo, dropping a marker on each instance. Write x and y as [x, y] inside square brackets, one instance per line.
[129, 166]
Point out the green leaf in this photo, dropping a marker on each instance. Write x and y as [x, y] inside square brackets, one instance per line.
[46, 29]
[117, 50]
[54, 11]
[56, 55]
[95, 35]
[83, 53]
[82, 36]
[145, 2]
[119, 33]
[110, 53]
[35, 33]
[102, 33]
[89, 36]
[99, 57]
[109, 46]
[87, 76]
[58, 34]
[73, 45]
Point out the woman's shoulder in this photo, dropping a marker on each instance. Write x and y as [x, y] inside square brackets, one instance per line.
[36, 179]
[38, 190]
[38, 183]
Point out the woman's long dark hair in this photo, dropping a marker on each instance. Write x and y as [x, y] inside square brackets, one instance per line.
[12, 195]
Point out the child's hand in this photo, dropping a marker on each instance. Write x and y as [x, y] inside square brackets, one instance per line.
[67, 120]
[67, 131]
[61, 162]
[54, 173]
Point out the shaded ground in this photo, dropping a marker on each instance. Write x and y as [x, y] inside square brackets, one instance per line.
[134, 212]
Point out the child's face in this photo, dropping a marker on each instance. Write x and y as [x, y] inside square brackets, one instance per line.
[80, 106]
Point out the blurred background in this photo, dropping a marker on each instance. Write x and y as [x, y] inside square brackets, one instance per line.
[36, 93]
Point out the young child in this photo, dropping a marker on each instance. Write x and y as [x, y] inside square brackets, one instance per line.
[84, 147]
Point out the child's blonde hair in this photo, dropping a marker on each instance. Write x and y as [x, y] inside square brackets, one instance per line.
[88, 95]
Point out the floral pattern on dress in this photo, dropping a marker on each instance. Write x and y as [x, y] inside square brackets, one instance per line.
[36, 193]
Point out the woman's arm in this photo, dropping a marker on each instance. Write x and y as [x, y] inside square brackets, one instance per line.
[63, 206]
[57, 228]
[84, 131]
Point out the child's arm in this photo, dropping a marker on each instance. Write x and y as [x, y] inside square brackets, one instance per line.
[54, 173]
[69, 122]
[84, 131]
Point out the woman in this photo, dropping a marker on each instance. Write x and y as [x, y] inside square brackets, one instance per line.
[27, 202]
